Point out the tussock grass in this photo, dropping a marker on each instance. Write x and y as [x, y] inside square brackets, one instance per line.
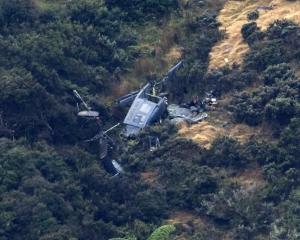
[234, 15]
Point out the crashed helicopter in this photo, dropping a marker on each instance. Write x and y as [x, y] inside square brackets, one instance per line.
[146, 106]
[105, 143]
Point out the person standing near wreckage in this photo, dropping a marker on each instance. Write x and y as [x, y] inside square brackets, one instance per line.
[152, 78]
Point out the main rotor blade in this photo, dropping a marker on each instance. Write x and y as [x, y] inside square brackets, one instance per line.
[171, 72]
[77, 95]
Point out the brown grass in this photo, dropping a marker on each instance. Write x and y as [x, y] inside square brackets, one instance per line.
[174, 55]
[219, 123]
[202, 133]
[234, 15]
[242, 132]
[150, 177]
[251, 179]
[183, 217]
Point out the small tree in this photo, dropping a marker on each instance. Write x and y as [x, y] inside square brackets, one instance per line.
[251, 33]
[252, 16]
[161, 233]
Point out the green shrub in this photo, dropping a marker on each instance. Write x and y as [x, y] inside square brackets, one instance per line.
[251, 33]
[281, 110]
[277, 73]
[139, 10]
[265, 54]
[252, 16]
[17, 12]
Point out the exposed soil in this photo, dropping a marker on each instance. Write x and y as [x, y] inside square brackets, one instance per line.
[188, 221]
[150, 177]
[250, 179]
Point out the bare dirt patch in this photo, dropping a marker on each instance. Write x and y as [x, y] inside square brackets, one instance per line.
[181, 217]
[150, 177]
[251, 179]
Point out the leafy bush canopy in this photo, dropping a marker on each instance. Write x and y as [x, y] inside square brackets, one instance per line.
[137, 10]
[52, 186]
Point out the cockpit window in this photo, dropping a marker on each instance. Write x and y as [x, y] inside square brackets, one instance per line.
[145, 108]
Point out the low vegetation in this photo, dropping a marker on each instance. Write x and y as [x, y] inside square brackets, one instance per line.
[53, 186]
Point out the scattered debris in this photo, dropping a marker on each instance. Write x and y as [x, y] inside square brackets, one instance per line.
[266, 8]
[192, 112]
[175, 112]
[88, 113]
[146, 106]
[210, 99]
[118, 168]
[106, 144]
[154, 143]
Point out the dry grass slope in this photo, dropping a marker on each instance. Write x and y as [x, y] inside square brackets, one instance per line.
[232, 50]
[202, 133]
[220, 123]
[234, 15]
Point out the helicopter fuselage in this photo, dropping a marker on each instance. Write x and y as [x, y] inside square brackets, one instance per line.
[145, 109]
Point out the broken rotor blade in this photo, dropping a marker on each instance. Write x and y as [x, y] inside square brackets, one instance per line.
[112, 128]
[96, 137]
[77, 95]
[127, 99]
[171, 71]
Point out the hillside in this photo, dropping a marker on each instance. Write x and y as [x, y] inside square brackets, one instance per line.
[234, 176]
[231, 50]
[234, 15]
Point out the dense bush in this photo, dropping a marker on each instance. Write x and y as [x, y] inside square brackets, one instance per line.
[224, 80]
[225, 152]
[251, 33]
[281, 110]
[140, 10]
[287, 226]
[62, 192]
[277, 102]
[285, 30]
[244, 210]
[41, 196]
[249, 107]
[276, 73]
[254, 15]
[280, 44]
[82, 47]
[190, 78]
[265, 54]
[17, 11]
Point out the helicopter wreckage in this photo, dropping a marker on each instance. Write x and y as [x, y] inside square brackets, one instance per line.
[146, 106]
